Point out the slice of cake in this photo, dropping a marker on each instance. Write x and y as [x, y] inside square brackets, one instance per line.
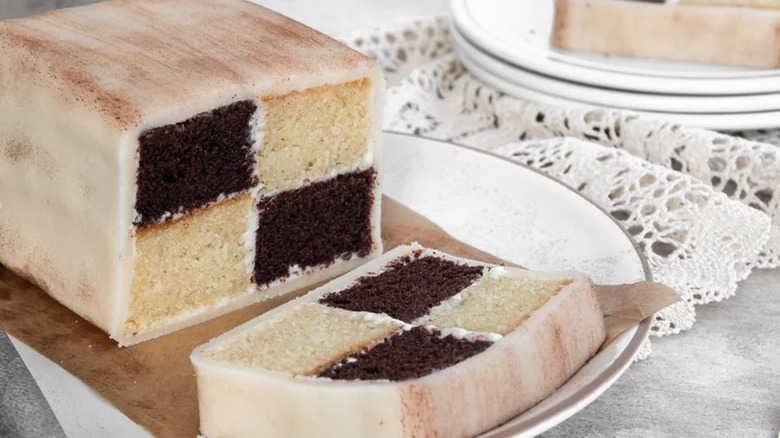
[414, 344]
[166, 161]
[733, 32]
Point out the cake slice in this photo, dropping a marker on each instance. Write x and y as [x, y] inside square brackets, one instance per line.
[741, 33]
[414, 344]
[163, 162]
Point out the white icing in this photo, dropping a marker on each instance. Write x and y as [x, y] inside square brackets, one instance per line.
[454, 301]
[455, 332]
[449, 304]
[460, 333]
[60, 219]
[368, 158]
[249, 239]
[374, 317]
[488, 336]
[180, 212]
[496, 272]
[257, 135]
[295, 271]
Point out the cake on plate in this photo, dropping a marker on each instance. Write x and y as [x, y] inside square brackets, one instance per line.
[414, 343]
[166, 161]
[744, 33]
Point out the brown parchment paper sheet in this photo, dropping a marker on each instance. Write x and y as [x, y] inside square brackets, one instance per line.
[153, 383]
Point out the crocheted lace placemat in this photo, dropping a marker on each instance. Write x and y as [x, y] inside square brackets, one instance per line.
[701, 204]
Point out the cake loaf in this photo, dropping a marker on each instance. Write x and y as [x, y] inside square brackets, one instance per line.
[166, 161]
[414, 344]
[742, 33]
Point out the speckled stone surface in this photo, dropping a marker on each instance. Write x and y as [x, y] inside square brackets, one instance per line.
[21, 8]
[722, 378]
[24, 412]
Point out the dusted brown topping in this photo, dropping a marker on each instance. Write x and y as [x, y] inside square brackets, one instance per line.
[189, 164]
[314, 225]
[408, 289]
[406, 355]
[130, 58]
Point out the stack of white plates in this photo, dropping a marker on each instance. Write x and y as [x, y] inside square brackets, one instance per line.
[506, 43]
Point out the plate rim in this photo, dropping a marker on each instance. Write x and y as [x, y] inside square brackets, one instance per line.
[717, 122]
[612, 372]
[540, 60]
[698, 104]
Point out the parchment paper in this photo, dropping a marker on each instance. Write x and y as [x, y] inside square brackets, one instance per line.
[153, 383]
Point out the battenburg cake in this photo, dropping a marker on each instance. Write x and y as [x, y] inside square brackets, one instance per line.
[414, 344]
[166, 161]
[733, 32]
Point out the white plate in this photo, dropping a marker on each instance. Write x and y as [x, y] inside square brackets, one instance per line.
[487, 201]
[719, 122]
[519, 32]
[615, 98]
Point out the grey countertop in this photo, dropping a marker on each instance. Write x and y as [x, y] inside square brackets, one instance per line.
[721, 378]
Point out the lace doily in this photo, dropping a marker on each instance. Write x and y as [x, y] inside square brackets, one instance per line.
[702, 205]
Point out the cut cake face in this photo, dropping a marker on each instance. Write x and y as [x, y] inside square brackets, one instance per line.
[415, 343]
[166, 161]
